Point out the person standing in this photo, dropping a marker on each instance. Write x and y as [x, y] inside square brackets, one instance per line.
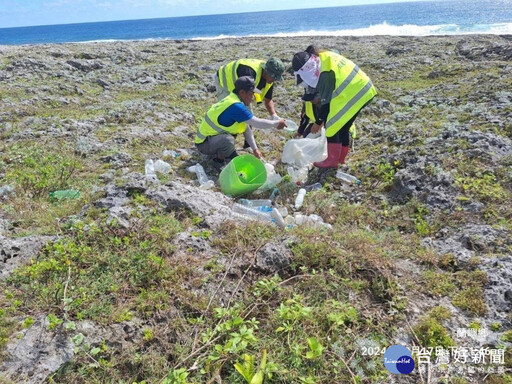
[344, 89]
[230, 116]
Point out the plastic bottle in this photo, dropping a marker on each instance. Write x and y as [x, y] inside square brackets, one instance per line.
[274, 194]
[283, 211]
[149, 168]
[204, 182]
[278, 218]
[291, 126]
[313, 187]
[289, 220]
[248, 211]
[298, 175]
[65, 194]
[259, 205]
[347, 178]
[161, 166]
[170, 152]
[300, 198]
[315, 218]
[255, 203]
[299, 218]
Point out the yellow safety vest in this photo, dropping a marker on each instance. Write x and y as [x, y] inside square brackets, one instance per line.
[227, 76]
[309, 111]
[352, 90]
[210, 124]
[312, 118]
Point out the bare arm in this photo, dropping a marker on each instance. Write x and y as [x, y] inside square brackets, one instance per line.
[269, 104]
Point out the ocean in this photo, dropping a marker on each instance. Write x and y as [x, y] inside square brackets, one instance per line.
[448, 17]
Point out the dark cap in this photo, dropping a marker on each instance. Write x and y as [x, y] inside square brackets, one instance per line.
[299, 59]
[246, 83]
[275, 68]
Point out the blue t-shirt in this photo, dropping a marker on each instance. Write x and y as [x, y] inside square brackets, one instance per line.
[235, 113]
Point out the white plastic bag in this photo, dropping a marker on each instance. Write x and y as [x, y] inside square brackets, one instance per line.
[302, 152]
[273, 178]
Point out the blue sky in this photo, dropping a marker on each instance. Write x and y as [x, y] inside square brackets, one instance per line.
[16, 13]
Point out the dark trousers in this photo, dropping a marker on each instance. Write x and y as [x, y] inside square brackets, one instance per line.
[343, 135]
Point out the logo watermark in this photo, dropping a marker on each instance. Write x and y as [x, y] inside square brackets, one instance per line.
[398, 360]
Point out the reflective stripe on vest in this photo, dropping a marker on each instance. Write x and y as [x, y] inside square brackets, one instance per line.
[352, 90]
[208, 127]
[228, 76]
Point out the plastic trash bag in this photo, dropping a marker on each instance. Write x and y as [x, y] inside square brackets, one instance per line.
[273, 178]
[302, 152]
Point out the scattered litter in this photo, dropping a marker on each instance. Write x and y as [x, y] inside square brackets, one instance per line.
[300, 198]
[170, 153]
[161, 166]
[347, 177]
[298, 175]
[204, 182]
[65, 194]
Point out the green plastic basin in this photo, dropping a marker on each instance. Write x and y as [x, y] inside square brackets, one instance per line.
[242, 175]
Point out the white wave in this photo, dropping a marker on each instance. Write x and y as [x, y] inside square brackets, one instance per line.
[385, 29]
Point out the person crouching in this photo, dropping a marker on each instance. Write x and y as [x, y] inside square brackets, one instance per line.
[230, 116]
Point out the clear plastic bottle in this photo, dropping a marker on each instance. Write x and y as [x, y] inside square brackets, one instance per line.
[299, 200]
[204, 182]
[248, 211]
[299, 218]
[313, 187]
[274, 194]
[278, 218]
[149, 168]
[289, 220]
[161, 166]
[347, 177]
[283, 211]
[256, 203]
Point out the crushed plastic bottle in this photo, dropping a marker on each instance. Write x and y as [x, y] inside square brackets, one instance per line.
[347, 178]
[65, 194]
[313, 187]
[273, 178]
[299, 200]
[161, 166]
[204, 182]
[298, 175]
